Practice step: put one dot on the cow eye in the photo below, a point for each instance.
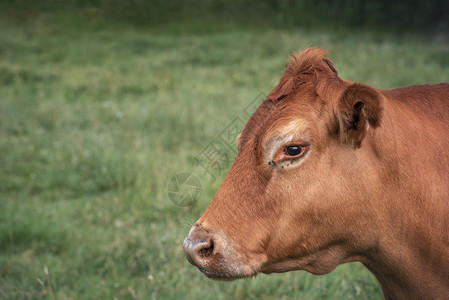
(293, 150)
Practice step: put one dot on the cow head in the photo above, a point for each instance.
(300, 194)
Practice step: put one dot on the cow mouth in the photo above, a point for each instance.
(215, 276)
(224, 276)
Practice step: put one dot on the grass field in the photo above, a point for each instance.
(96, 119)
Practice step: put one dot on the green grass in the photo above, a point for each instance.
(94, 122)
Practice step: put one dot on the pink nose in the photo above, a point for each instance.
(198, 246)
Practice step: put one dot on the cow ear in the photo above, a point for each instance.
(359, 109)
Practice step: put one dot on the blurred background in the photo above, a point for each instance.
(118, 122)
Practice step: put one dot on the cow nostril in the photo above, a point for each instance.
(207, 249)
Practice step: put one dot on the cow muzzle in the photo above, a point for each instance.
(215, 255)
(198, 246)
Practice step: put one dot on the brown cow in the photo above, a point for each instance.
(329, 172)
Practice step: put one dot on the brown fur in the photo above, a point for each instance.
(309, 69)
(372, 186)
